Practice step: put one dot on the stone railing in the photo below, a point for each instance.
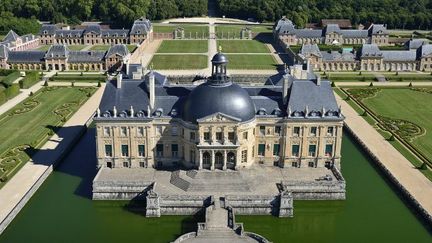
(257, 237)
(185, 237)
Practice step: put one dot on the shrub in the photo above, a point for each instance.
(360, 73)
(410, 84)
(365, 113)
(73, 84)
(371, 84)
(4, 178)
(31, 93)
(3, 98)
(99, 84)
(9, 79)
(12, 91)
(30, 79)
(45, 83)
(392, 138)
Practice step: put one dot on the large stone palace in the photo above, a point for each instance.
(331, 34)
(290, 122)
(93, 34)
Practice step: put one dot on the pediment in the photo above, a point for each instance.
(219, 117)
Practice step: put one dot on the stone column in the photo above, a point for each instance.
(212, 162)
(153, 206)
(224, 167)
(286, 204)
(200, 160)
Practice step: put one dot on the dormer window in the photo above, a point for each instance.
(140, 114)
(262, 112)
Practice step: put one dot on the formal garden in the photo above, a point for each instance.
(363, 76)
(183, 46)
(131, 48)
(164, 62)
(252, 61)
(401, 115)
(78, 77)
(29, 125)
(10, 87)
(242, 46)
(190, 30)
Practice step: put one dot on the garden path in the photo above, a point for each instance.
(15, 194)
(410, 178)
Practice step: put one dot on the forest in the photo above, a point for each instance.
(20, 15)
(402, 14)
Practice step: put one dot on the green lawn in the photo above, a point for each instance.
(406, 104)
(187, 28)
(179, 61)
(251, 62)
(235, 29)
(183, 46)
(29, 124)
(370, 77)
(242, 46)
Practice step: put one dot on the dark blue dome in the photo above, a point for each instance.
(207, 99)
(219, 58)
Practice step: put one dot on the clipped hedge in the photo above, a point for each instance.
(30, 79)
(6, 72)
(77, 78)
(8, 93)
(10, 78)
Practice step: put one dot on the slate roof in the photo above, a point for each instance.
(376, 28)
(11, 36)
(370, 50)
(410, 55)
(141, 26)
(114, 33)
(308, 49)
(284, 25)
(120, 50)
(415, 43)
(95, 28)
(4, 51)
(330, 28)
(425, 50)
(354, 33)
(56, 51)
(69, 33)
(86, 56)
(50, 29)
(337, 56)
(308, 33)
(26, 56)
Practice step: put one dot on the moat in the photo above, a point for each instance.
(62, 211)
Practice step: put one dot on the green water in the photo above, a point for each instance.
(61, 211)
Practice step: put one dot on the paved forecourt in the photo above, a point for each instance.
(410, 179)
(15, 194)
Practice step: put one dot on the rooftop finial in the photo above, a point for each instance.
(220, 48)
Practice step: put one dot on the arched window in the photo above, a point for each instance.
(206, 158)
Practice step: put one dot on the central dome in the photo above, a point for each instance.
(208, 99)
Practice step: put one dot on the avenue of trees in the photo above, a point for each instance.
(404, 14)
(120, 12)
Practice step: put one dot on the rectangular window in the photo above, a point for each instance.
(108, 150)
(107, 131)
(219, 136)
(142, 164)
(312, 150)
(192, 156)
(206, 136)
(125, 150)
(159, 150)
(313, 131)
(126, 164)
(261, 149)
(245, 135)
(295, 150)
(311, 164)
(123, 131)
(141, 150)
(330, 131)
(231, 136)
(262, 130)
(276, 148)
(174, 150)
(294, 164)
(329, 149)
(192, 136)
(244, 156)
(140, 131)
(296, 131)
(174, 131)
(277, 130)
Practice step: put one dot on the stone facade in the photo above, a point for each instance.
(141, 30)
(14, 42)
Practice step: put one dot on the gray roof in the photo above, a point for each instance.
(308, 49)
(308, 33)
(306, 95)
(409, 55)
(284, 26)
(120, 50)
(377, 29)
(4, 52)
(56, 51)
(86, 56)
(354, 33)
(141, 26)
(337, 56)
(115, 33)
(49, 29)
(415, 43)
(332, 28)
(425, 50)
(69, 33)
(11, 36)
(26, 56)
(370, 50)
(95, 28)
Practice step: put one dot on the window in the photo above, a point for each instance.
(108, 150)
(142, 164)
(311, 164)
(277, 130)
(276, 148)
(295, 150)
(206, 136)
(174, 150)
(140, 131)
(245, 135)
(231, 136)
(262, 130)
(294, 164)
(192, 156)
(330, 131)
(261, 149)
(329, 149)
(109, 164)
(125, 164)
(192, 136)
(141, 150)
(174, 131)
(313, 131)
(244, 156)
(125, 150)
(159, 150)
(296, 131)
(219, 136)
(107, 131)
(312, 150)
(123, 131)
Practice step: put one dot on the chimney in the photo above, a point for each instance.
(318, 79)
(285, 88)
(119, 80)
(127, 67)
(152, 89)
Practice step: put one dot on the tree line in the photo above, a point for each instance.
(121, 13)
(403, 14)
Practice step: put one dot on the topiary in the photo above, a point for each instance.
(31, 93)
(371, 84)
(410, 84)
(45, 83)
(72, 84)
(99, 84)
